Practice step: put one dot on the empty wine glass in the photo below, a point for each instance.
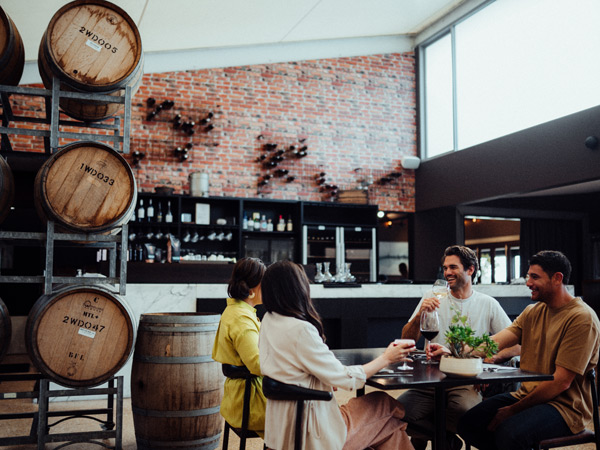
(319, 275)
(430, 327)
(326, 273)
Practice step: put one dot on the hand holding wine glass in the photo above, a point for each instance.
(429, 327)
(406, 343)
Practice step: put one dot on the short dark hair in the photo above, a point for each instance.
(286, 291)
(247, 274)
(467, 257)
(551, 262)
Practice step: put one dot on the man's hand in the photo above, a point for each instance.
(501, 415)
(429, 304)
(436, 351)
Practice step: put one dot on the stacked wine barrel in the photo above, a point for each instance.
(80, 336)
(91, 46)
(12, 54)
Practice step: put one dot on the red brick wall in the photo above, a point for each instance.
(354, 113)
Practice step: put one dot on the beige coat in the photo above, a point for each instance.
(291, 351)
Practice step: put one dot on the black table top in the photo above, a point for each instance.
(423, 375)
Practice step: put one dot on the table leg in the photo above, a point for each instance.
(439, 418)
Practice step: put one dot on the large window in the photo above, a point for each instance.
(509, 66)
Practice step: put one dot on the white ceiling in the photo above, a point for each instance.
(192, 34)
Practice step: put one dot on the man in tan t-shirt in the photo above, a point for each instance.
(559, 335)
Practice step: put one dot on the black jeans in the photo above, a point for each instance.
(521, 431)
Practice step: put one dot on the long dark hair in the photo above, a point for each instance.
(286, 291)
(247, 274)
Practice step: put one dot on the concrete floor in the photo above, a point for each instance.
(21, 427)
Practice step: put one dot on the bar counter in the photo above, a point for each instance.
(368, 316)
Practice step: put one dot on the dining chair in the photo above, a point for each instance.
(586, 436)
(240, 372)
(276, 390)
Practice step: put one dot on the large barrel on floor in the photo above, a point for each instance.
(80, 336)
(7, 189)
(5, 329)
(176, 387)
(86, 187)
(12, 54)
(91, 46)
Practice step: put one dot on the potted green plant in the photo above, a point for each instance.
(466, 348)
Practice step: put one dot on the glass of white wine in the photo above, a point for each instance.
(440, 289)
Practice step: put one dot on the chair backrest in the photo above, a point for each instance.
(596, 417)
(231, 371)
(276, 390)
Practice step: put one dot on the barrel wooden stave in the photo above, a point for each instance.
(5, 329)
(86, 187)
(176, 404)
(91, 46)
(12, 53)
(7, 189)
(80, 336)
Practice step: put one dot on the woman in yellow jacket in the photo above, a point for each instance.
(237, 343)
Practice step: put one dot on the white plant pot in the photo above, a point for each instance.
(461, 367)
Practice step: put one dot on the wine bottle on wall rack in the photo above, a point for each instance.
(141, 212)
(159, 216)
(150, 212)
(169, 215)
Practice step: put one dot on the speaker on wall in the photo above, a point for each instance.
(411, 162)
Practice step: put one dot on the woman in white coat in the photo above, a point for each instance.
(292, 350)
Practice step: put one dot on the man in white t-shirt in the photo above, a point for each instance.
(485, 316)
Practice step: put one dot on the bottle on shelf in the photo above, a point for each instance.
(256, 216)
(150, 212)
(169, 215)
(290, 225)
(141, 212)
(263, 223)
(159, 216)
(269, 225)
(245, 222)
(281, 224)
(250, 223)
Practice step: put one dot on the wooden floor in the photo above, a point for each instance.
(20, 427)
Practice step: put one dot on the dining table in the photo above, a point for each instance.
(430, 376)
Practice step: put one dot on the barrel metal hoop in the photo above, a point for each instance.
(179, 318)
(189, 413)
(198, 329)
(173, 359)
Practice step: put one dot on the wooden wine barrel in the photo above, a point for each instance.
(7, 189)
(5, 329)
(12, 53)
(86, 187)
(80, 335)
(176, 387)
(91, 46)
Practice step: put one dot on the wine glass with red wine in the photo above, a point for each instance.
(430, 327)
